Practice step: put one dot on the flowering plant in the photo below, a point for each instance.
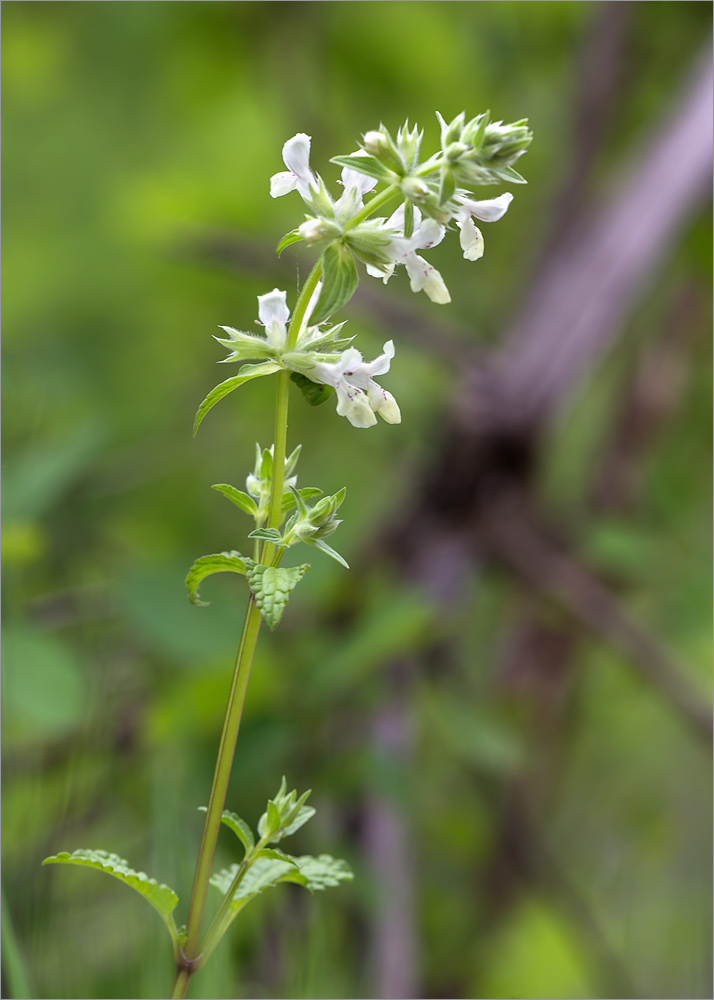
(306, 348)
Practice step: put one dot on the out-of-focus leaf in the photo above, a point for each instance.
(163, 899)
(218, 562)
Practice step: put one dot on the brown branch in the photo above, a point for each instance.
(560, 576)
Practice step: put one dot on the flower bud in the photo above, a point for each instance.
(455, 151)
(375, 142)
(414, 188)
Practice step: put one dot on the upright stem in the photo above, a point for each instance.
(241, 673)
(221, 776)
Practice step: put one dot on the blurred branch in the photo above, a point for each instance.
(576, 310)
(562, 577)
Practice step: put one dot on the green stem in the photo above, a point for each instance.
(181, 983)
(369, 209)
(224, 762)
(241, 674)
(281, 410)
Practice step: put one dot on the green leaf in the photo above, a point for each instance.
(314, 392)
(221, 390)
(339, 282)
(323, 871)
(320, 544)
(272, 586)
(266, 464)
(161, 897)
(292, 460)
(304, 813)
(299, 502)
(447, 184)
(293, 237)
(365, 165)
(268, 535)
(270, 822)
(262, 874)
(240, 499)
(509, 174)
(239, 827)
(307, 493)
(218, 562)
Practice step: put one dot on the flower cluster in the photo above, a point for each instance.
(435, 195)
(317, 355)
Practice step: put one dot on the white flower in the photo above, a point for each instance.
(274, 314)
(355, 179)
(296, 155)
(489, 210)
(359, 397)
(402, 250)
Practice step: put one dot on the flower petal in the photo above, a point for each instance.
(273, 308)
(282, 183)
(354, 404)
(354, 179)
(424, 277)
(471, 239)
(489, 210)
(296, 154)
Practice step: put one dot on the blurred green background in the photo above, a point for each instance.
(139, 139)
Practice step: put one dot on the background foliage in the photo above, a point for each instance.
(139, 139)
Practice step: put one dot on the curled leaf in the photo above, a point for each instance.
(218, 562)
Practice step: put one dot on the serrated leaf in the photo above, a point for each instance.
(314, 392)
(239, 827)
(272, 586)
(293, 237)
(339, 282)
(221, 390)
(240, 499)
(323, 871)
(262, 874)
(365, 165)
(218, 562)
(163, 899)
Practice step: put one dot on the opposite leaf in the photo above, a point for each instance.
(221, 390)
(272, 586)
(239, 827)
(218, 562)
(323, 871)
(262, 874)
(339, 282)
(314, 392)
(161, 897)
(292, 237)
(238, 497)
